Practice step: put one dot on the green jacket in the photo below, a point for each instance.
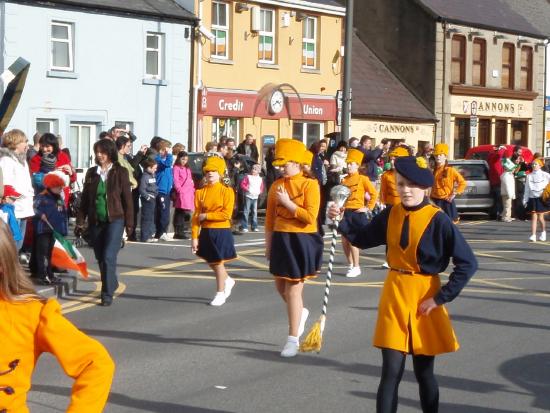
(124, 163)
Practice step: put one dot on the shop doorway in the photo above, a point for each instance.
(519, 133)
(484, 132)
(462, 137)
(227, 127)
(500, 132)
(307, 132)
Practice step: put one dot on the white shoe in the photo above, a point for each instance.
(244, 230)
(533, 238)
(303, 319)
(542, 236)
(290, 349)
(353, 272)
(23, 259)
(163, 237)
(218, 300)
(255, 230)
(385, 265)
(150, 240)
(229, 284)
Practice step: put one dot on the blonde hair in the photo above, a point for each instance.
(12, 138)
(15, 285)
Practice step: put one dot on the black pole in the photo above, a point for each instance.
(346, 95)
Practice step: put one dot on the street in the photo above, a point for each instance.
(175, 353)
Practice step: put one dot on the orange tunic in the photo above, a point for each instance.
(217, 201)
(447, 180)
(388, 189)
(33, 327)
(359, 186)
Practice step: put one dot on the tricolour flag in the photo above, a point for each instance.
(66, 256)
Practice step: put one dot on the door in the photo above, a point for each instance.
(484, 132)
(462, 137)
(519, 133)
(500, 132)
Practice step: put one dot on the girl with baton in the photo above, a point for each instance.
(421, 240)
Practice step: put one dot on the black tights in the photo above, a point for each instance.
(393, 364)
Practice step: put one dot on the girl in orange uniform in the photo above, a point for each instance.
(388, 188)
(421, 240)
(211, 237)
(448, 183)
(360, 202)
(32, 325)
(293, 245)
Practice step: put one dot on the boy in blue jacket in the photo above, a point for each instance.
(165, 181)
(8, 211)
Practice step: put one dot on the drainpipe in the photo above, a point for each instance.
(197, 86)
(444, 88)
(546, 58)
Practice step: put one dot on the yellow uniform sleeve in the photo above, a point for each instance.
(546, 194)
(384, 188)
(312, 199)
(459, 181)
(228, 202)
(81, 357)
(271, 208)
(369, 187)
(195, 223)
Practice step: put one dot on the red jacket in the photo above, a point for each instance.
(62, 159)
(495, 166)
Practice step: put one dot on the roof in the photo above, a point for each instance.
(326, 6)
(491, 14)
(167, 9)
(377, 92)
(536, 11)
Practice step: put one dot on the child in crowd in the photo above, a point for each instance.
(211, 234)
(184, 195)
(448, 183)
(8, 211)
(507, 188)
(535, 184)
(253, 187)
(148, 192)
(362, 200)
(50, 215)
(165, 181)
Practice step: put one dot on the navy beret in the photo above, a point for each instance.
(415, 170)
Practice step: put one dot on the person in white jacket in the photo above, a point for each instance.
(534, 186)
(15, 171)
(507, 188)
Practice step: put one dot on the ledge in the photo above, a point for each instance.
(268, 66)
(61, 74)
(492, 93)
(310, 70)
(221, 61)
(154, 82)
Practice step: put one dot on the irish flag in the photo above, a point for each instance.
(66, 256)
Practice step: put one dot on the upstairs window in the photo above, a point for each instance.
(458, 60)
(479, 62)
(266, 49)
(62, 46)
(309, 42)
(526, 78)
(220, 29)
(508, 56)
(154, 55)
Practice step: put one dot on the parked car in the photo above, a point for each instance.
(477, 195)
(483, 151)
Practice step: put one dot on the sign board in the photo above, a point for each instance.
(473, 129)
(268, 139)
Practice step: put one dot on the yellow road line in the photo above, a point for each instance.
(93, 299)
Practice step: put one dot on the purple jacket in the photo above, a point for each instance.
(184, 187)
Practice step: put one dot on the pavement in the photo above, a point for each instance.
(175, 353)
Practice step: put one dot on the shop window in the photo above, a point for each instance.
(225, 127)
(519, 133)
(484, 132)
(501, 127)
(508, 56)
(219, 47)
(307, 132)
(266, 49)
(479, 65)
(526, 78)
(154, 55)
(47, 126)
(309, 42)
(62, 46)
(462, 137)
(81, 144)
(458, 59)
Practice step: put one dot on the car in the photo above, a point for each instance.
(477, 196)
(482, 152)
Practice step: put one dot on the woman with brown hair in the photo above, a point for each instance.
(34, 326)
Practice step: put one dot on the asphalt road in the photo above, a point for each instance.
(174, 353)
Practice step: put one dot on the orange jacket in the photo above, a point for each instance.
(33, 327)
(388, 189)
(217, 201)
(359, 186)
(447, 180)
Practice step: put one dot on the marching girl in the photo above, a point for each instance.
(535, 184)
(293, 245)
(448, 183)
(362, 199)
(421, 240)
(211, 234)
(388, 188)
(33, 325)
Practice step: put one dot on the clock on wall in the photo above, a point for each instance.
(276, 102)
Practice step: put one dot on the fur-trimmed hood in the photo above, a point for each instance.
(21, 158)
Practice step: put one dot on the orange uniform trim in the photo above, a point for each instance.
(217, 201)
(305, 277)
(388, 189)
(359, 186)
(447, 180)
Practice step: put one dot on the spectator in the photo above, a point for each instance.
(426, 152)
(338, 163)
(353, 142)
(535, 185)
(248, 147)
(165, 181)
(252, 186)
(319, 168)
(211, 147)
(184, 194)
(231, 144)
(495, 171)
(148, 192)
(63, 148)
(33, 150)
(9, 196)
(371, 156)
(177, 148)
(124, 146)
(135, 162)
(272, 172)
(507, 188)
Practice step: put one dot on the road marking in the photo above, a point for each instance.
(508, 259)
(89, 300)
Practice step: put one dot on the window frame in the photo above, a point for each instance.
(460, 60)
(52, 122)
(160, 55)
(510, 65)
(69, 41)
(528, 69)
(304, 131)
(78, 161)
(313, 41)
(219, 28)
(263, 33)
(482, 63)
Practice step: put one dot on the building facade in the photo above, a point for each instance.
(96, 64)
(269, 68)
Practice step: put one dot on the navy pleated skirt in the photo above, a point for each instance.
(296, 256)
(357, 219)
(216, 245)
(536, 205)
(448, 207)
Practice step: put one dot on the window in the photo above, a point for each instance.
(508, 56)
(81, 144)
(220, 29)
(307, 133)
(46, 126)
(267, 36)
(526, 79)
(309, 42)
(154, 55)
(479, 59)
(62, 46)
(228, 127)
(458, 59)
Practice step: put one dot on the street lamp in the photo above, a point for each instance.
(346, 95)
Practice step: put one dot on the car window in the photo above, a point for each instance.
(472, 172)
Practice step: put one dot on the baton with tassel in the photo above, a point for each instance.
(314, 339)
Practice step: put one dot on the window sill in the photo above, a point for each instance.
(272, 66)
(310, 70)
(61, 74)
(155, 82)
(221, 61)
